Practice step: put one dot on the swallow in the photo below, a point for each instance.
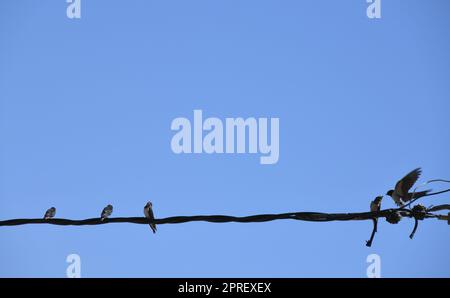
(148, 212)
(400, 194)
(50, 213)
(107, 211)
(375, 205)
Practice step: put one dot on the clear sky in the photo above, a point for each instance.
(86, 108)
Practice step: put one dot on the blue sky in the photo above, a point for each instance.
(86, 108)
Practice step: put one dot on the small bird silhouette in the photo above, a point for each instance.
(148, 212)
(107, 211)
(375, 205)
(400, 194)
(50, 213)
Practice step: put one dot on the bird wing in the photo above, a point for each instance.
(150, 213)
(372, 206)
(404, 185)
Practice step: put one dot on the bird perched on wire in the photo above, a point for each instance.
(375, 205)
(50, 213)
(148, 212)
(107, 211)
(400, 194)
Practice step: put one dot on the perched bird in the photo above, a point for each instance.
(148, 212)
(375, 205)
(107, 211)
(50, 213)
(400, 194)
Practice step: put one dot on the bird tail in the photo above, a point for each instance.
(421, 193)
(153, 227)
(418, 194)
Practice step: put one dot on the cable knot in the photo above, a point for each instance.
(393, 217)
(419, 212)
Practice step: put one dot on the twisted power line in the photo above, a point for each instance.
(304, 216)
(391, 215)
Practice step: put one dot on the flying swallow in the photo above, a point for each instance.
(50, 213)
(400, 194)
(375, 205)
(148, 212)
(107, 211)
